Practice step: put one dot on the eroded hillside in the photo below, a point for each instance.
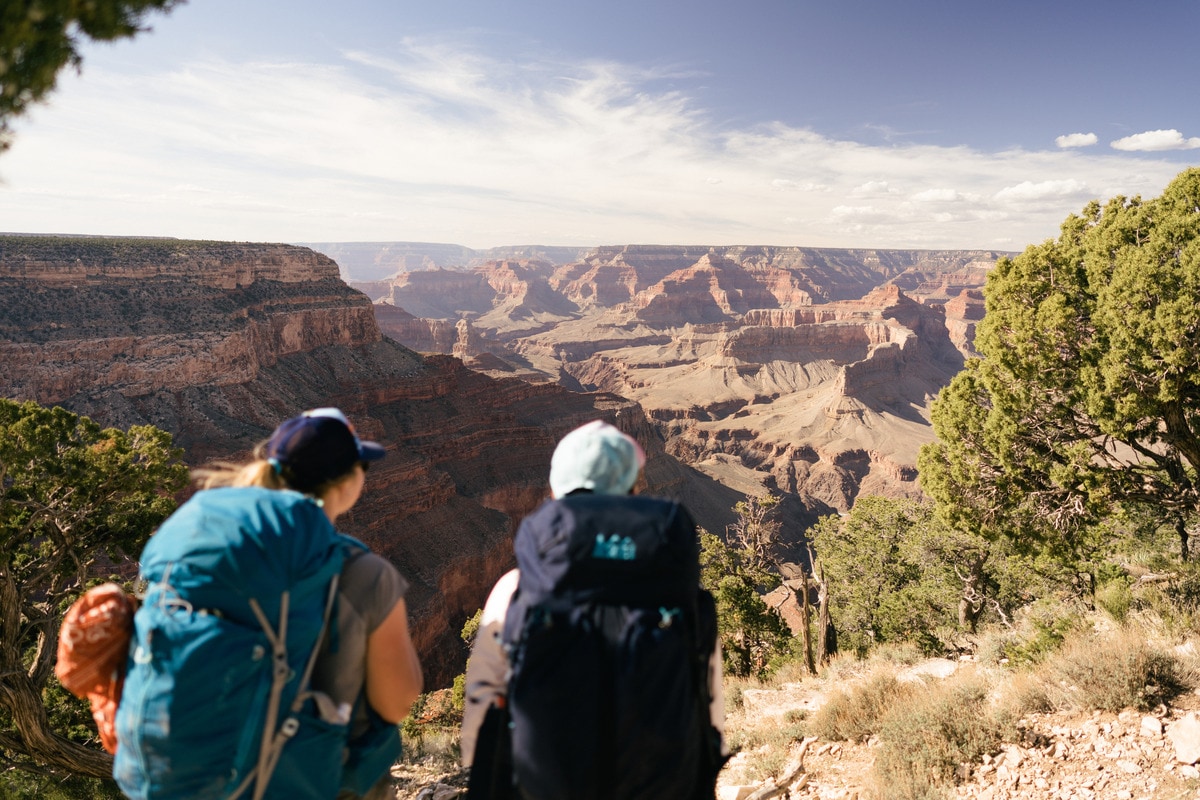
(809, 371)
(217, 343)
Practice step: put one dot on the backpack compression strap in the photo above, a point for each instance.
(273, 740)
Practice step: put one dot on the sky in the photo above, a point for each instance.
(857, 123)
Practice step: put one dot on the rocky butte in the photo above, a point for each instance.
(217, 342)
(806, 371)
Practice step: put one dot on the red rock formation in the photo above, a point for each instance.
(840, 350)
(217, 345)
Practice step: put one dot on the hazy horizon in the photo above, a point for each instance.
(864, 124)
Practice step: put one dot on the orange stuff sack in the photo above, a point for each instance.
(93, 646)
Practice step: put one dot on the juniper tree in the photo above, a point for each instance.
(71, 493)
(1087, 394)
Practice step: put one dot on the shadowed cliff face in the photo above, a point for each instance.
(806, 370)
(217, 343)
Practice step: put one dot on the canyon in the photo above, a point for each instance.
(740, 370)
(801, 371)
(219, 342)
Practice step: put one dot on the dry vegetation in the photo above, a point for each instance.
(896, 727)
(890, 734)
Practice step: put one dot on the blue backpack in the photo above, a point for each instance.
(609, 638)
(242, 584)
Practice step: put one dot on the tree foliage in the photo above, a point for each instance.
(1088, 392)
(897, 573)
(71, 493)
(40, 37)
(754, 533)
(876, 592)
(751, 632)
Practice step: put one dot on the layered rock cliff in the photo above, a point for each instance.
(218, 342)
(378, 261)
(805, 370)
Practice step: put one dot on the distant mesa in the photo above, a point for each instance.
(380, 261)
(218, 342)
(805, 371)
(764, 365)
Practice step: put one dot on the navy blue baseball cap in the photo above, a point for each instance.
(317, 447)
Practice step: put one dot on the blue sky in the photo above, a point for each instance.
(858, 123)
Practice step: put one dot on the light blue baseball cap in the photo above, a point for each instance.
(596, 457)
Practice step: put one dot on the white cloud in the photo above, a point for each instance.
(440, 144)
(1153, 141)
(790, 185)
(936, 196)
(875, 187)
(1077, 140)
(1029, 191)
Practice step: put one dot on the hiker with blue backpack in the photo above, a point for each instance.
(596, 672)
(271, 655)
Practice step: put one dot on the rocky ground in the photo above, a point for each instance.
(1062, 756)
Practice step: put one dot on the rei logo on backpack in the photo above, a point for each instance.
(216, 702)
(609, 638)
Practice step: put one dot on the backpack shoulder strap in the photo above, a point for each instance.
(712, 760)
(274, 738)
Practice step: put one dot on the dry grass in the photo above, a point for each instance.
(925, 732)
(1122, 670)
(938, 726)
(854, 714)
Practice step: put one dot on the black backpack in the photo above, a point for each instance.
(609, 637)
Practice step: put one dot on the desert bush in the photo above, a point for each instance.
(437, 746)
(854, 714)
(904, 654)
(1160, 609)
(766, 745)
(939, 726)
(1038, 630)
(766, 763)
(1025, 692)
(735, 687)
(1116, 598)
(1122, 671)
(430, 731)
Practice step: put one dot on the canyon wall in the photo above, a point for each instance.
(800, 370)
(218, 342)
(380, 261)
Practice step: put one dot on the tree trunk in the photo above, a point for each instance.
(826, 634)
(826, 637)
(34, 737)
(1182, 532)
(970, 603)
(804, 611)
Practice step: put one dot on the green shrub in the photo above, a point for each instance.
(1178, 600)
(1039, 630)
(1116, 598)
(458, 695)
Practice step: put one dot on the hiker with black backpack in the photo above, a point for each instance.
(271, 655)
(595, 673)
